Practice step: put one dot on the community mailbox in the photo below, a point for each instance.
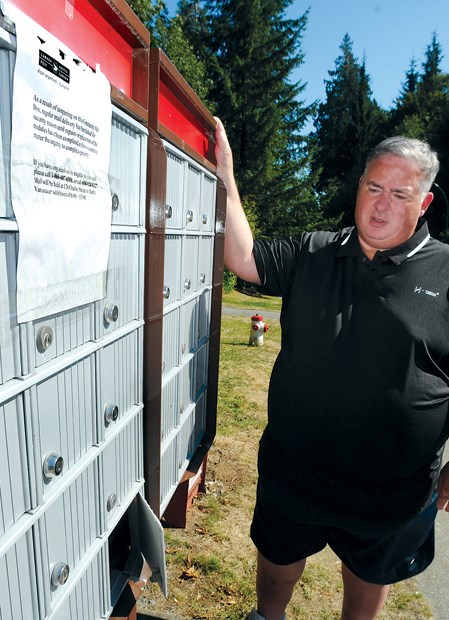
(107, 381)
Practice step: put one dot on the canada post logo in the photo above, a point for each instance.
(54, 67)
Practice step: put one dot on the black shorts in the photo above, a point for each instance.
(397, 553)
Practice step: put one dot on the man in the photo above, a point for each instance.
(358, 398)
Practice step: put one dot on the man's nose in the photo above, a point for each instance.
(382, 202)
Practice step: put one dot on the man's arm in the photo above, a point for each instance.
(238, 250)
(443, 489)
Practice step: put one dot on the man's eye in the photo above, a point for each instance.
(400, 196)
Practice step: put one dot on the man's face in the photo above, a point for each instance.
(389, 203)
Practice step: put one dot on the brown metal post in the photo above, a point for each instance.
(154, 307)
(215, 321)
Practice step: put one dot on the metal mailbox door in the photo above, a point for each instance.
(119, 371)
(189, 327)
(127, 169)
(208, 203)
(64, 411)
(204, 310)
(202, 361)
(121, 468)
(192, 198)
(172, 266)
(55, 336)
(169, 471)
(186, 440)
(171, 341)
(187, 386)
(205, 260)
(123, 302)
(170, 406)
(7, 62)
(189, 265)
(67, 531)
(15, 495)
(87, 599)
(19, 573)
(174, 202)
(200, 416)
(10, 358)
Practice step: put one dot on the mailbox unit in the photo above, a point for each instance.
(186, 217)
(107, 404)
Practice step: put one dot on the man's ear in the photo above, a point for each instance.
(426, 202)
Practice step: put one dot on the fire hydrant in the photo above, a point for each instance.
(258, 329)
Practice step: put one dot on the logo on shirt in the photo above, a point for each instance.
(419, 290)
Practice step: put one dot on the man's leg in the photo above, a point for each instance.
(275, 584)
(361, 600)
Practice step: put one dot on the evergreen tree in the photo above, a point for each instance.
(432, 65)
(423, 99)
(423, 112)
(348, 124)
(154, 15)
(410, 85)
(168, 34)
(251, 49)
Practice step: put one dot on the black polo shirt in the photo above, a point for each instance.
(360, 389)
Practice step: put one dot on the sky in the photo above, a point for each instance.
(387, 33)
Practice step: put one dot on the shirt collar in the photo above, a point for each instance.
(350, 246)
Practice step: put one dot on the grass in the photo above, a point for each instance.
(211, 563)
(257, 303)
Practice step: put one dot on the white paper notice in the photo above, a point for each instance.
(61, 130)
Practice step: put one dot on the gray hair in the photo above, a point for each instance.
(409, 148)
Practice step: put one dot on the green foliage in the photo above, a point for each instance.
(422, 111)
(154, 14)
(229, 281)
(348, 124)
(168, 34)
(239, 55)
(251, 49)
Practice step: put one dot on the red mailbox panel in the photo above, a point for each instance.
(177, 113)
(100, 32)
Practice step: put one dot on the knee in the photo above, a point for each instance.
(271, 575)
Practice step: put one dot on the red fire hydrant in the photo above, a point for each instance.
(258, 329)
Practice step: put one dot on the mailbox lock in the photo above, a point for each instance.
(204, 220)
(110, 313)
(111, 413)
(111, 502)
(115, 202)
(189, 216)
(60, 574)
(166, 292)
(187, 283)
(53, 465)
(44, 338)
(202, 278)
(168, 212)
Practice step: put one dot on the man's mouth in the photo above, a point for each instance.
(377, 221)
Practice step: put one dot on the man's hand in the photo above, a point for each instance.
(443, 489)
(238, 247)
(223, 155)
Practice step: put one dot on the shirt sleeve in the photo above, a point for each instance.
(277, 261)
